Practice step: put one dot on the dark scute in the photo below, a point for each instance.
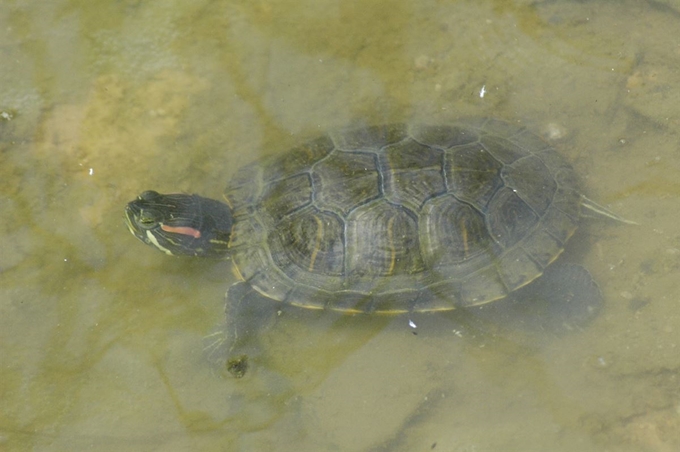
(346, 179)
(372, 137)
(443, 137)
(287, 195)
(510, 219)
(311, 241)
(472, 174)
(413, 188)
(453, 232)
(532, 182)
(412, 173)
(382, 239)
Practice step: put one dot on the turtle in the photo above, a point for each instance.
(382, 219)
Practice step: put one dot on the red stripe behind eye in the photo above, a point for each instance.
(195, 233)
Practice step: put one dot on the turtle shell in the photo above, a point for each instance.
(401, 218)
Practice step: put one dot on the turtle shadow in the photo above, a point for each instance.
(565, 300)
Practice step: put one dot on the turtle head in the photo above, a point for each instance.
(180, 224)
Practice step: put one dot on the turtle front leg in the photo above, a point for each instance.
(247, 315)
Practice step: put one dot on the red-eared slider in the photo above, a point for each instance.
(384, 219)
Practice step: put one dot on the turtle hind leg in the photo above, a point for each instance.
(247, 315)
(565, 298)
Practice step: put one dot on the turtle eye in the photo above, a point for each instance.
(146, 219)
(149, 195)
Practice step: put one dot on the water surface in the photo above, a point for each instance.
(102, 339)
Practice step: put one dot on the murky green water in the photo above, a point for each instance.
(102, 339)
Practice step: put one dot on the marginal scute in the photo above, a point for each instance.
(542, 246)
(502, 149)
(245, 187)
(530, 142)
(497, 127)
(443, 136)
(568, 201)
(516, 268)
(371, 137)
(481, 287)
(298, 159)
